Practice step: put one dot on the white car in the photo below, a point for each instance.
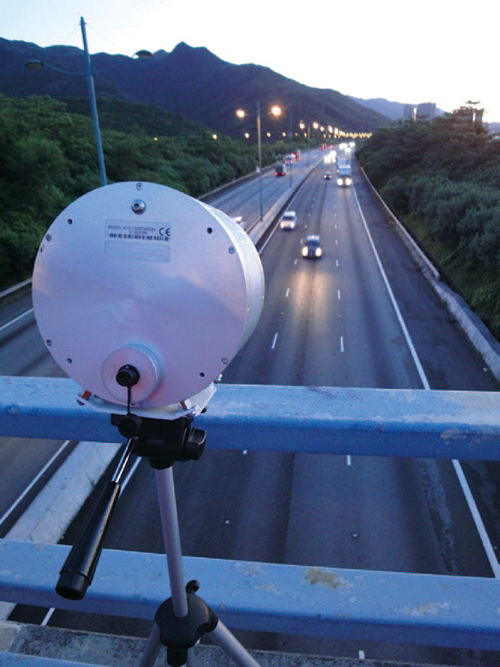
(288, 220)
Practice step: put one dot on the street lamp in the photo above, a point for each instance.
(276, 111)
(38, 64)
(303, 127)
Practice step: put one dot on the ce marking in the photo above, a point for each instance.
(165, 232)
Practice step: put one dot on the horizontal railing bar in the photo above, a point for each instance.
(382, 422)
(338, 603)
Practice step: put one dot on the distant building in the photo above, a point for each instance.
(409, 112)
(426, 111)
(469, 113)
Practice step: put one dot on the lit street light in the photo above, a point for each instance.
(276, 111)
(38, 64)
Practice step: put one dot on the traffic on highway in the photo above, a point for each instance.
(345, 306)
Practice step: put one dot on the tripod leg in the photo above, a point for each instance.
(227, 641)
(152, 648)
(170, 526)
(171, 536)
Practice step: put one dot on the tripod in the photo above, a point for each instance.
(184, 618)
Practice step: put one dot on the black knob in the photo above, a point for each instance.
(127, 376)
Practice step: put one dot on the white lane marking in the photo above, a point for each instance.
(295, 261)
(392, 298)
(16, 319)
(34, 481)
(287, 293)
(338, 294)
(336, 262)
(47, 616)
(476, 516)
(336, 241)
(342, 344)
(349, 460)
(275, 339)
(488, 547)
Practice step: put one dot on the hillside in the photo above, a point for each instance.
(189, 81)
(393, 110)
(136, 117)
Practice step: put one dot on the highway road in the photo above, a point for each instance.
(331, 322)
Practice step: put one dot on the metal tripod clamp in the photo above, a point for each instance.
(179, 634)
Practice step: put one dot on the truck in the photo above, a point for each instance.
(344, 175)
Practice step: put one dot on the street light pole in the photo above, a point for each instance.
(259, 144)
(38, 64)
(276, 111)
(93, 104)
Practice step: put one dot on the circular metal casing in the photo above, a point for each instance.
(141, 274)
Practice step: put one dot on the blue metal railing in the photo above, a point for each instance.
(339, 603)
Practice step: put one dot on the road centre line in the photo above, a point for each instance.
(469, 498)
(338, 294)
(287, 293)
(275, 339)
(16, 319)
(342, 344)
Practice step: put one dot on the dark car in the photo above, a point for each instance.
(312, 248)
(328, 176)
(280, 170)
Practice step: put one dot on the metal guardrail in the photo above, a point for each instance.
(410, 608)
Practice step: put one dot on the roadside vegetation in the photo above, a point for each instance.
(442, 180)
(48, 158)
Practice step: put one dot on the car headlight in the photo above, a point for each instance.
(317, 252)
(339, 181)
(348, 181)
(304, 251)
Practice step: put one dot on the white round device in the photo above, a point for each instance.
(141, 275)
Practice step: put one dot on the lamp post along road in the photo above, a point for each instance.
(38, 64)
(93, 104)
(276, 111)
(259, 144)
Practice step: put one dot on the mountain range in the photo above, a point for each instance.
(189, 81)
